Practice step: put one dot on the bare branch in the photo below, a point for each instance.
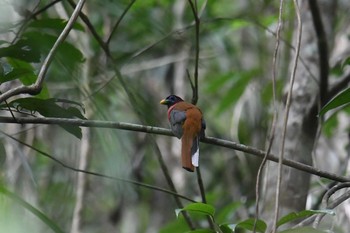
(167, 132)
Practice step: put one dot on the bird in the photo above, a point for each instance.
(187, 123)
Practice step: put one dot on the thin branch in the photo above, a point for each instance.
(38, 12)
(274, 119)
(95, 173)
(338, 86)
(202, 192)
(168, 132)
(171, 183)
(37, 86)
(322, 50)
(317, 218)
(119, 20)
(85, 148)
(197, 24)
(286, 115)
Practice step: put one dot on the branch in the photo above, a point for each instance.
(197, 24)
(118, 22)
(171, 183)
(322, 50)
(339, 86)
(98, 174)
(37, 86)
(167, 132)
(286, 115)
(35, 14)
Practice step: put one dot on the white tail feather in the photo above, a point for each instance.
(195, 158)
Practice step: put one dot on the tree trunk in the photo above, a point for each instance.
(303, 122)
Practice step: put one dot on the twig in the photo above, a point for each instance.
(38, 12)
(171, 183)
(334, 203)
(168, 132)
(338, 86)
(95, 173)
(37, 86)
(274, 119)
(322, 50)
(118, 22)
(202, 192)
(81, 181)
(286, 115)
(197, 24)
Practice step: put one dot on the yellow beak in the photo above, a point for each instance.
(163, 101)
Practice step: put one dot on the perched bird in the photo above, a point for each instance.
(187, 123)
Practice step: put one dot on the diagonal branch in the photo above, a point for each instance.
(96, 173)
(38, 85)
(118, 21)
(167, 132)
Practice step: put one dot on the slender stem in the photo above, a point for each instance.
(286, 115)
(96, 173)
(197, 25)
(118, 21)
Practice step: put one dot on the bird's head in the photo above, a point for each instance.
(171, 100)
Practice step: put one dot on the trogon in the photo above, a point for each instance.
(186, 121)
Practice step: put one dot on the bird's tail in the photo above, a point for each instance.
(189, 152)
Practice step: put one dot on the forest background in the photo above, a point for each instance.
(85, 144)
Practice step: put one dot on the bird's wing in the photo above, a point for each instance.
(176, 118)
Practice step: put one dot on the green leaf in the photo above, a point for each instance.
(50, 108)
(217, 83)
(239, 23)
(339, 100)
(227, 212)
(179, 225)
(200, 208)
(249, 225)
(66, 52)
(303, 230)
(302, 214)
(40, 215)
(23, 49)
(330, 125)
(227, 228)
(345, 63)
(238, 86)
(26, 75)
(56, 24)
(16, 73)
